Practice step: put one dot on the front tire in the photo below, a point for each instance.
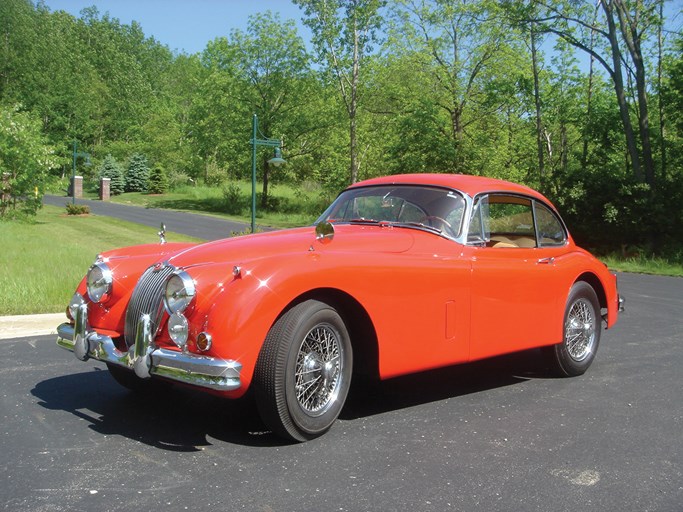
(303, 372)
(129, 380)
(581, 328)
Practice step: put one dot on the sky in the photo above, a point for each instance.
(186, 25)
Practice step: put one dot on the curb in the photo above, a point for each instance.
(20, 326)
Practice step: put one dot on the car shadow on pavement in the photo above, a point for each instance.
(179, 419)
(369, 397)
(165, 416)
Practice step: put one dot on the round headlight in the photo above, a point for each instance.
(178, 329)
(179, 292)
(99, 281)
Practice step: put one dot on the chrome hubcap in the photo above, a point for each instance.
(579, 331)
(318, 370)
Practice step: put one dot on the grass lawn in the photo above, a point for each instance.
(293, 207)
(42, 262)
(644, 265)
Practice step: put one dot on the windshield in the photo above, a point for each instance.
(431, 208)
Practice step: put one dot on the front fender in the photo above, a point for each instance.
(244, 311)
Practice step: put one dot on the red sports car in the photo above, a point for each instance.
(400, 274)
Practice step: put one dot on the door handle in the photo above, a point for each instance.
(546, 261)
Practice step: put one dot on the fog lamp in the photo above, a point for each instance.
(178, 329)
(76, 301)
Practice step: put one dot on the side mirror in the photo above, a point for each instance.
(324, 232)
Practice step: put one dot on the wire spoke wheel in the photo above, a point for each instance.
(304, 371)
(581, 333)
(580, 330)
(318, 369)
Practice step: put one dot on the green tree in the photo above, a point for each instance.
(158, 181)
(623, 28)
(25, 159)
(343, 34)
(137, 174)
(273, 68)
(266, 71)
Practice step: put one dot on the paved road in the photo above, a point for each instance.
(200, 226)
(493, 436)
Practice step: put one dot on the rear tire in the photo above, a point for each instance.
(581, 332)
(303, 372)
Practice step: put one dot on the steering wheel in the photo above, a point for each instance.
(440, 223)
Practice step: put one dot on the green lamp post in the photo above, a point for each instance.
(277, 161)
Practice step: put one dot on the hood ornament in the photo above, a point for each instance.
(162, 234)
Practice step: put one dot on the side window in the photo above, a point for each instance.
(511, 216)
(550, 229)
(478, 231)
(503, 221)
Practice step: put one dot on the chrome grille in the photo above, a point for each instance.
(147, 299)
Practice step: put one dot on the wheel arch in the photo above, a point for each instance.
(358, 322)
(595, 283)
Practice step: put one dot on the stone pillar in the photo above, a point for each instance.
(77, 187)
(105, 187)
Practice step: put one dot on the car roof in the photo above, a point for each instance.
(470, 185)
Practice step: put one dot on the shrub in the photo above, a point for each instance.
(215, 176)
(157, 182)
(178, 179)
(233, 202)
(77, 209)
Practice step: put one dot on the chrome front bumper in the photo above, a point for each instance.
(145, 359)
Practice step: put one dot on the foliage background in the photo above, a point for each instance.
(526, 91)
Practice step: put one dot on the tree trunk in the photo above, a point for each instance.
(662, 116)
(631, 35)
(537, 104)
(353, 106)
(589, 99)
(618, 80)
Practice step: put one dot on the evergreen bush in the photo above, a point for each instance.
(111, 169)
(157, 183)
(137, 174)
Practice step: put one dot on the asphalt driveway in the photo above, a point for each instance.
(499, 435)
(191, 224)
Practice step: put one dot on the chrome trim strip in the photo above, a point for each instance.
(196, 370)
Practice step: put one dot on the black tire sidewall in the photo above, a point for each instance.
(566, 363)
(317, 313)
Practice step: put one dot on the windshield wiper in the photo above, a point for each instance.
(362, 220)
(420, 225)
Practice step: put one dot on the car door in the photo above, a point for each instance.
(517, 293)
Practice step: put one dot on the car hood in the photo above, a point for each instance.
(348, 238)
